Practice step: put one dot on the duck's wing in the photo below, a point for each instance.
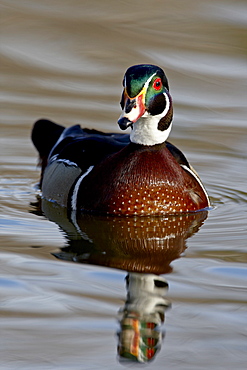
(83, 147)
(87, 149)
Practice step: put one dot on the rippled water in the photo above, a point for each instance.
(60, 299)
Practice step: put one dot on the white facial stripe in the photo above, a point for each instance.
(148, 81)
(124, 83)
(167, 107)
(76, 188)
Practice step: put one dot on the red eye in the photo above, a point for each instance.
(157, 84)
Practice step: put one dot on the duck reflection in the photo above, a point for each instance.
(140, 336)
(142, 246)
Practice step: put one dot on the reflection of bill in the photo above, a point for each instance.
(142, 246)
(140, 336)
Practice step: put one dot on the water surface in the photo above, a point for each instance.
(65, 61)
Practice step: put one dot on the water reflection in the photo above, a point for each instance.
(140, 336)
(142, 246)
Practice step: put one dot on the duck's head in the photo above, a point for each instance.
(146, 104)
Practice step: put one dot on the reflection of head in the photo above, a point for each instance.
(140, 336)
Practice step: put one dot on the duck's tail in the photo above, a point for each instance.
(44, 136)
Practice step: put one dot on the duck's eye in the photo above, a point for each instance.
(157, 84)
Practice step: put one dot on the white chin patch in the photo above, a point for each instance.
(145, 131)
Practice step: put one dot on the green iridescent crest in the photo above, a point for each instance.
(136, 77)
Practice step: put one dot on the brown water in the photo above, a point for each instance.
(65, 60)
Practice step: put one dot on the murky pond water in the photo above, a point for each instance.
(64, 302)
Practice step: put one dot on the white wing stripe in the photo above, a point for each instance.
(76, 188)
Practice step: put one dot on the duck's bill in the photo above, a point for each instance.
(133, 109)
(124, 123)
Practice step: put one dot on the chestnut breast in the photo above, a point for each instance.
(140, 180)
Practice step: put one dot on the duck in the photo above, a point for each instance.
(140, 173)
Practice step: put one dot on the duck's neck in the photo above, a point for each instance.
(145, 131)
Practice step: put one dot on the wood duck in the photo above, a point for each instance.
(114, 173)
